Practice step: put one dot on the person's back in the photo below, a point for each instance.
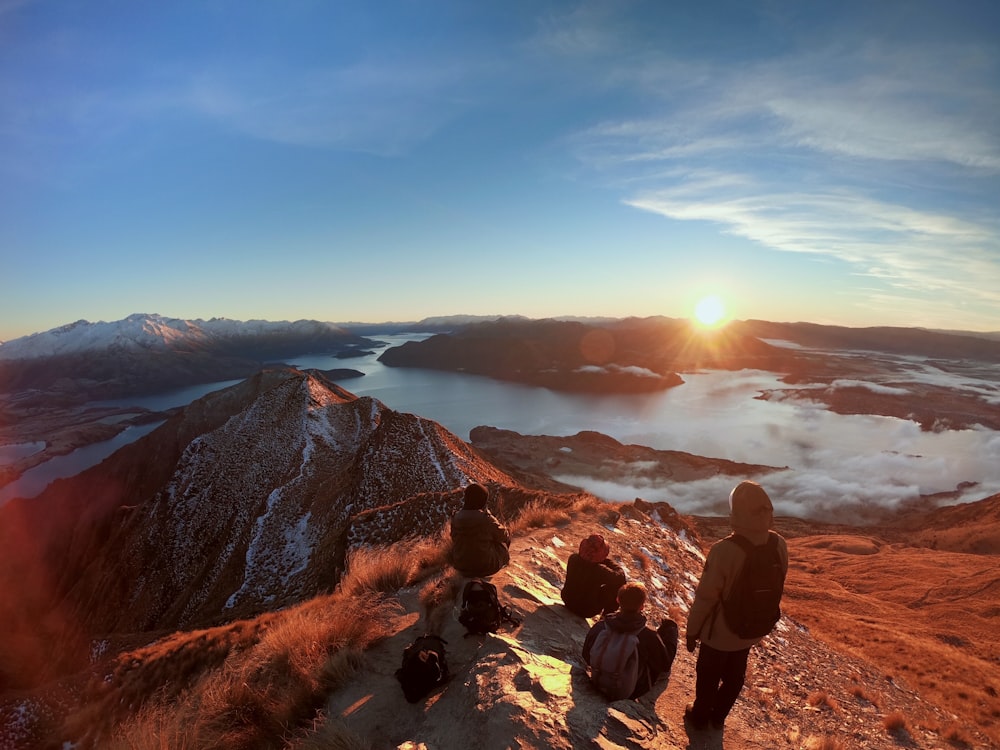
(479, 542)
(722, 656)
(656, 648)
(592, 580)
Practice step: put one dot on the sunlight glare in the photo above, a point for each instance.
(710, 311)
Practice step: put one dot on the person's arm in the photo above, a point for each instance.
(588, 642)
(706, 596)
(611, 573)
(499, 530)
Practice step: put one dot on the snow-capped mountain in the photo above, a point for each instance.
(150, 353)
(151, 332)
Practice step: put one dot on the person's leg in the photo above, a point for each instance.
(733, 675)
(708, 671)
(668, 632)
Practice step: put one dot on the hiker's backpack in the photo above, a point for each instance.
(481, 610)
(753, 606)
(419, 675)
(614, 662)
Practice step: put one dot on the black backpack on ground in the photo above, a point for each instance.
(753, 606)
(481, 610)
(424, 667)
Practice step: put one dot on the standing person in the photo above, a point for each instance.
(725, 641)
(592, 580)
(656, 648)
(480, 544)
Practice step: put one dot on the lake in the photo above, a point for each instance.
(836, 463)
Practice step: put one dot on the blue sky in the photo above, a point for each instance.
(832, 162)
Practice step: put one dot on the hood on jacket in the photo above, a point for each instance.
(750, 510)
(626, 622)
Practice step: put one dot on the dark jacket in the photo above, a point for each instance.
(591, 587)
(653, 657)
(479, 543)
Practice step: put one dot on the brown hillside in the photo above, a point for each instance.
(522, 687)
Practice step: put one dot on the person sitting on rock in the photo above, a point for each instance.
(592, 580)
(656, 649)
(480, 544)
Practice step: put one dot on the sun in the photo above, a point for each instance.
(710, 311)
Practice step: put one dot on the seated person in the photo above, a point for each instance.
(592, 580)
(480, 544)
(657, 648)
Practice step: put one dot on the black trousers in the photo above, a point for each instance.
(719, 680)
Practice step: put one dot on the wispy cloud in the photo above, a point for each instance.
(375, 108)
(839, 153)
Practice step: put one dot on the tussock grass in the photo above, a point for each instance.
(388, 569)
(821, 698)
(329, 735)
(824, 743)
(895, 722)
(863, 695)
(550, 511)
(538, 514)
(956, 736)
(266, 687)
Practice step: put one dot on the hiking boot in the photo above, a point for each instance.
(689, 719)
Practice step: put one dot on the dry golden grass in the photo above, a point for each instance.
(895, 721)
(388, 569)
(553, 511)
(266, 691)
(250, 684)
(924, 617)
(864, 696)
(329, 735)
(824, 743)
(538, 514)
(956, 736)
(821, 699)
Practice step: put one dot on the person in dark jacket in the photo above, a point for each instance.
(480, 544)
(657, 648)
(592, 580)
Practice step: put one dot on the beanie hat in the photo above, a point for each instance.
(594, 549)
(750, 507)
(476, 496)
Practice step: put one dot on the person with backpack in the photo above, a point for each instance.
(592, 580)
(736, 603)
(626, 656)
(480, 544)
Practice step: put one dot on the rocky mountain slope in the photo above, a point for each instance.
(526, 686)
(243, 502)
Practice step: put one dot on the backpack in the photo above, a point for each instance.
(419, 676)
(753, 606)
(614, 662)
(481, 610)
